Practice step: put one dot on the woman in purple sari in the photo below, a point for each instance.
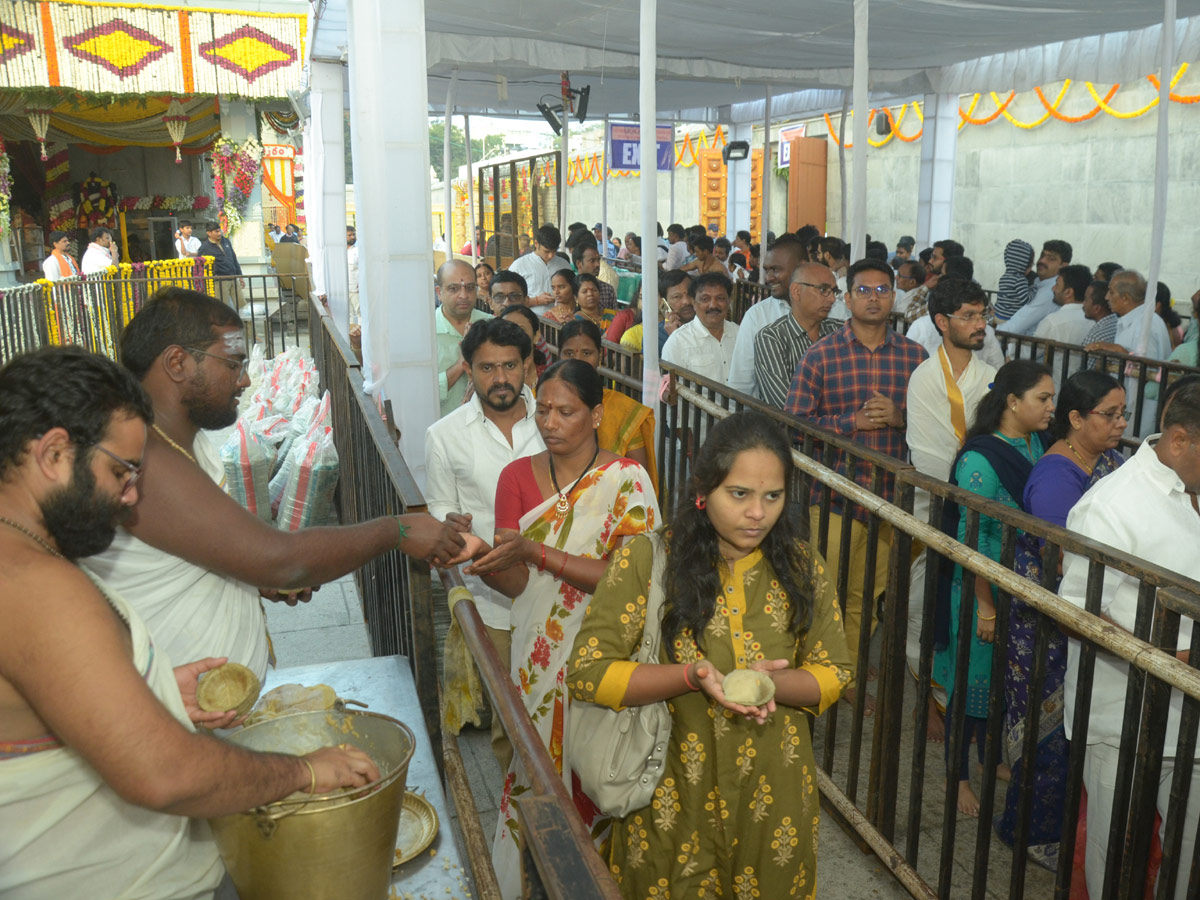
(1088, 423)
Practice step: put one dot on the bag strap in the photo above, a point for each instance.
(652, 631)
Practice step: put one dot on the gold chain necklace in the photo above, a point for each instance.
(17, 526)
(166, 437)
(1083, 463)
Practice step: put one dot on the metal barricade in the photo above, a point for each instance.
(745, 295)
(863, 762)
(1143, 379)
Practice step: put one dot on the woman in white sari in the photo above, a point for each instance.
(559, 515)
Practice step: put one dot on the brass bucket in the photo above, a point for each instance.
(337, 846)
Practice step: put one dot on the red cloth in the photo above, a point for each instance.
(517, 492)
(621, 323)
(1079, 889)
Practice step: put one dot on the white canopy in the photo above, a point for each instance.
(509, 52)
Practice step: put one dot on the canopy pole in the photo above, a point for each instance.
(566, 160)
(765, 218)
(858, 232)
(842, 160)
(447, 178)
(647, 110)
(471, 192)
(605, 247)
(1159, 222)
(674, 126)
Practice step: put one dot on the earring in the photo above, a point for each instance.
(701, 503)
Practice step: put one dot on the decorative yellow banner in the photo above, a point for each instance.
(129, 48)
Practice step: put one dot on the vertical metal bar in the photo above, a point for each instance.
(1181, 780)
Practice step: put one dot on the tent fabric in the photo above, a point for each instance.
(509, 52)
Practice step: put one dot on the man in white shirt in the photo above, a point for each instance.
(1055, 255)
(943, 394)
(539, 266)
(1146, 508)
(780, 264)
(465, 453)
(677, 251)
(1126, 294)
(925, 333)
(705, 344)
(835, 253)
(1068, 324)
(59, 264)
(98, 255)
(185, 245)
(352, 272)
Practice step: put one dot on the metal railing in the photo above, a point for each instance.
(862, 761)
(92, 311)
(1143, 379)
(560, 860)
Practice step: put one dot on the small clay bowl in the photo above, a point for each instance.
(748, 687)
(231, 686)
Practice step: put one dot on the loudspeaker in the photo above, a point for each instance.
(883, 125)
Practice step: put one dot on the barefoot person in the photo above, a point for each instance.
(735, 567)
(996, 458)
(100, 764)
(192, 560)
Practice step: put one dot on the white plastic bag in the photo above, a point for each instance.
(247, 459)
(312, 477)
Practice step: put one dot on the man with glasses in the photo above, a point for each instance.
(854, 382)
(782, 258)
(455, 289)
(780, 346)
(100, 762)
(191, 560)
(943, 394)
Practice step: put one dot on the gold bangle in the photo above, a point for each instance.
(990, 618)
(312, 787)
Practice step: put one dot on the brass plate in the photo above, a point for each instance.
(418, 827)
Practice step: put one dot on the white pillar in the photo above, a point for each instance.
(471, 191)
(674, 126)
(858, 218)
(605, 247)
(766, 171)
(325, 179)
(939, 142)
(447, 175)
(647, 108)
(737, 183)
(842, 179)
(391, 172)
(1159, 222)
(566, 171)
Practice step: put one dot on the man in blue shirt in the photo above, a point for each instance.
(1055, 255)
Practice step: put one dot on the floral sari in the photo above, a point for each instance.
(610, 502)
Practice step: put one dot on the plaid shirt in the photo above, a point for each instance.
(836, 377)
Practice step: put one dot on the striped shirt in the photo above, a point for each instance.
(1104, 331)
(778, 349)
(836, 377)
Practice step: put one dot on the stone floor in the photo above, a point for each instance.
(330, 628)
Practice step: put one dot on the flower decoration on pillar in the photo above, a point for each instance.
(40, 120)
(176, 121)
(5, 191)
(236, 169)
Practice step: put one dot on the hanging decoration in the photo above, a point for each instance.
(236, 171)
(591, 168)
(176, 121)
(186, 203)
(97, 203)
(5, 191)
(40, 120)
(60, 202)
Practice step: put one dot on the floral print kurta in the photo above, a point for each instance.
(735, 814)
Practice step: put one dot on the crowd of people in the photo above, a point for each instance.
(542, 483)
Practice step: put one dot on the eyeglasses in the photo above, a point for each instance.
(515, 297)
(971, 319)
(1111, 415)
(135, 472)
(232, 364)
(826, 290)
(865, 290)
(459, 287)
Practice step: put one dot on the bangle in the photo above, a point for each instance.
(542, 564)
(563, 567)
(688, 681)
(312, 786)
(403, 532)
(990, 618)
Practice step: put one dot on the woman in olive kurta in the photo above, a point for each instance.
(735, 814)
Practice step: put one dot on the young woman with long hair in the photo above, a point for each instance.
(996, 458)
(735, 813)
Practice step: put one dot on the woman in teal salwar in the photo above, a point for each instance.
(997, 456)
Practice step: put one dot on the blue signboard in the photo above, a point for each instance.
(625, 149)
